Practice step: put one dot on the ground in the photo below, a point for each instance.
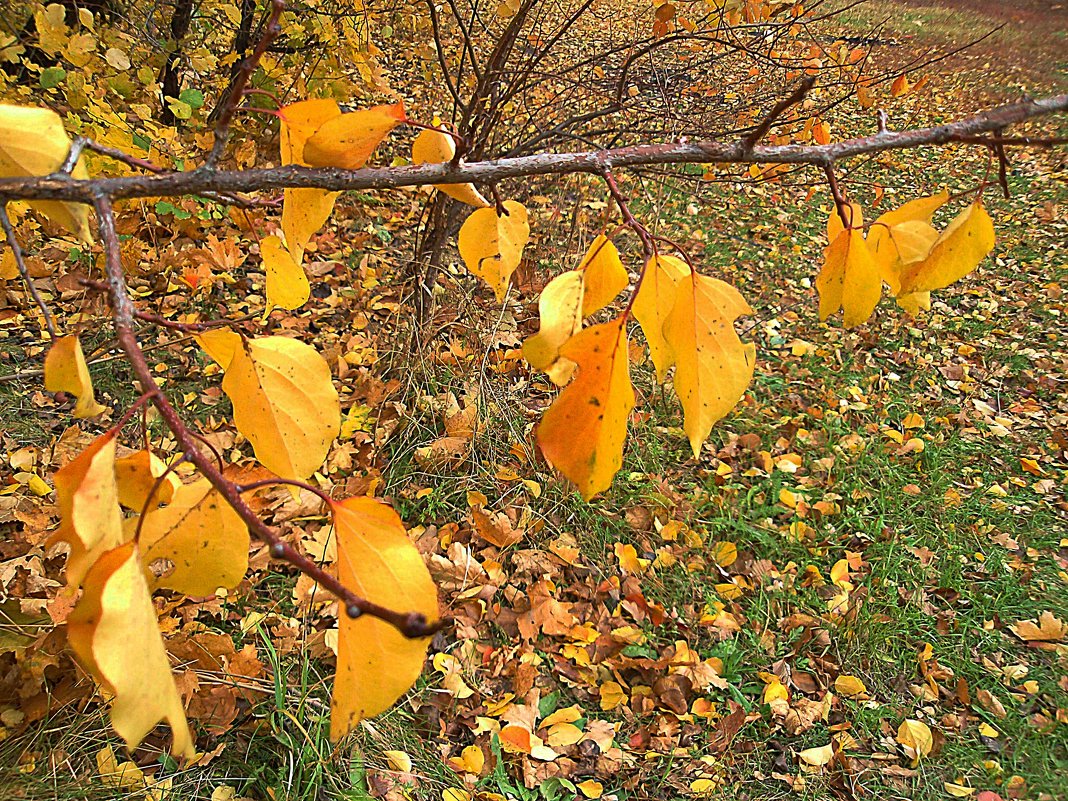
(863, 543)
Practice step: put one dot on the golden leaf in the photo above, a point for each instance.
(33, 142)
(304, 210)
(817, 757)
(916, 739)
(90, 517)
(437, 147)
(114, 634)
(284, 400)
(376, 664)
(604, 275)
(654, 302)
(850, 687)
(1047, 629)
(560, 307)
(201, 535)
(347, 141)
(220, 344)
(287, 284)
(849, 279)
(904, 236)
(713, 366)
(961, 246)
(492, 245)
(136, 475)
(65, 370)
(582, 433)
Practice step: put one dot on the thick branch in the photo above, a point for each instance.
(204, 180)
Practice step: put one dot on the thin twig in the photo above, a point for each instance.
(792, 99)
(20, 263)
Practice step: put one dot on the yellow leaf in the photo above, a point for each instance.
(604, 275)
(65, 370)
(1048, 628)
(916, 739)
(376, 664)
(900, 86)
(582, 433)
(492, 245)
(591, 788)
(850, 687)
(398, 760)
(725, 554)
(560, 306)
(627, 556)
(201, 535)
(611, 694)
(220, 344)
(653, 303)
(834, 222)
(135, 477)
(904, 236)
(114, 634)
(959, 249)
(9, 268)
(33, 142)
(958, 790)
(305, 210)
(284, 403)
(913, 302)
(437, 147)
(818, 757)
(90, 517)
(713, 366)
(347, 141)
(775, 691)
(287, 284)
(471, 760)
(849, 279)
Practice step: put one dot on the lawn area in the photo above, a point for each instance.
(870, 554)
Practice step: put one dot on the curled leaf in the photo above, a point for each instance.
(964, 243)
(136, 476)
(437, 147)
(65, 370)
(90, 517)
(560, 306)
(114, 634)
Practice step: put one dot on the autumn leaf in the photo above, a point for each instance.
(849, 279)
(582, 433)
(653, 303)
(220, 344)
(287, 284)
(304, 210)
(376, 664)
(437, 147)
(347, 141)
(713, 366)
(283, 397)
(916, 739)
(115, 636)
(904, 236)
(964, 243)
(136, 476)
(87, 496)
(604, 275)
(560, 306)
(850, 687)
(33, 142)
(817, 757)
(1047, 629)
(65, 370)
(492, 245)
(201, 536)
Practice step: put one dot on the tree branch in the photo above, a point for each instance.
(200, 181)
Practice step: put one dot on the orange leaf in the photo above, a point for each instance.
(582, 434)
(347, 141)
